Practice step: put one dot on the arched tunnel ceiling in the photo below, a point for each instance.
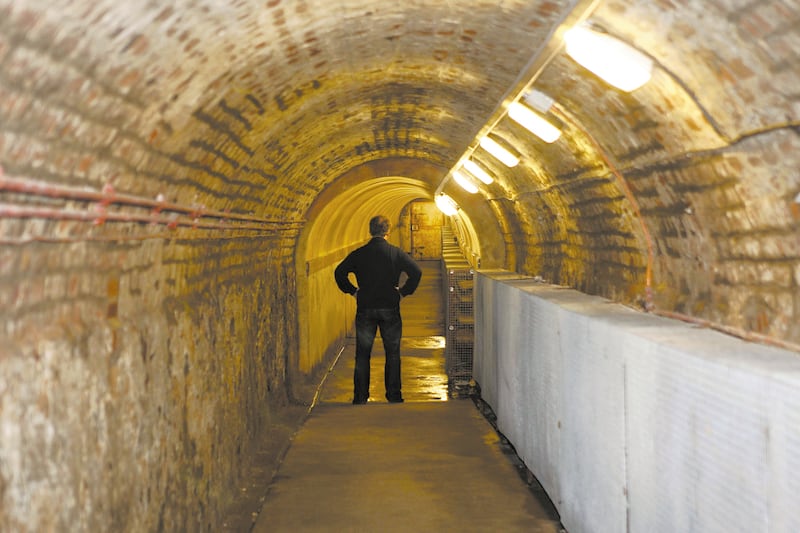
(258, 107)
(281, 97)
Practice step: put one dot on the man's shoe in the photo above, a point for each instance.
(359, 402)
(396, 400)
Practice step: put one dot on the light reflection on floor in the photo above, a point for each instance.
(422, 372)
(431, 343)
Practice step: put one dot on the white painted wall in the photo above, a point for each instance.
(633, 422)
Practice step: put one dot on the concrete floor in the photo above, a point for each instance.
(429, 464)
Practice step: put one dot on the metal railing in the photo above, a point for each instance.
(458, 280)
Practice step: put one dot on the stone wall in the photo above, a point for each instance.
(147, 326)
(137, 378)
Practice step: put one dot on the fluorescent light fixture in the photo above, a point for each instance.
(474, 169)
(538, 100)
(446, 204)
(616, 62)
(532, 122)
(505, 157)
(465, 182)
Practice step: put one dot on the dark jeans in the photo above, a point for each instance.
(367, 322)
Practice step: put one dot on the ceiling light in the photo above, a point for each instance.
(505, 157)
(465, 182)
(532, 122)
(446, 204)
(616, 62)
(538, 100)
(478, 172)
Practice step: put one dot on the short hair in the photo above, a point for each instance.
(379, 226)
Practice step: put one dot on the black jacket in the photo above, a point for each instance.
(377, 266)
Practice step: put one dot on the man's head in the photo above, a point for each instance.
(379, 226)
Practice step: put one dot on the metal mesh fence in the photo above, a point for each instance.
(458, 278)
(460, 324)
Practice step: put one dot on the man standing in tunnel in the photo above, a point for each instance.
(377, 266)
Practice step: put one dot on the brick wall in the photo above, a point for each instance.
(689, 180)
(142, 375)
(141, 362)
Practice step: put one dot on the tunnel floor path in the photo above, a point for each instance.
(429, 464)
